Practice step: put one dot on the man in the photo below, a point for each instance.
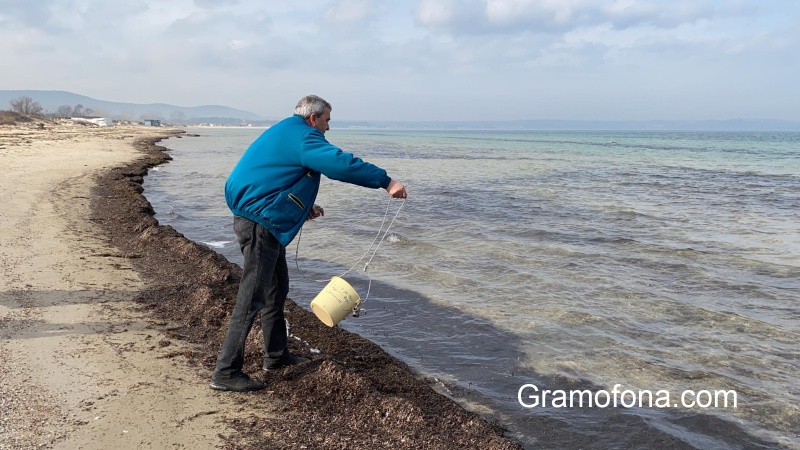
(271, 193)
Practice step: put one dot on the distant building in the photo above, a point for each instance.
(152, 123)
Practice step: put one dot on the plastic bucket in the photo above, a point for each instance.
(336, 300)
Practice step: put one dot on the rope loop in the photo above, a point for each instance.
(366, 265)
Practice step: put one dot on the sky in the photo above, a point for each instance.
(447, 60)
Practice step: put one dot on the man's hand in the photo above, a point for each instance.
(396, 190)
(316, 211)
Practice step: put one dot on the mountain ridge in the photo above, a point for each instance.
(53, 99)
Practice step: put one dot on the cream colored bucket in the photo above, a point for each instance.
(336, 300)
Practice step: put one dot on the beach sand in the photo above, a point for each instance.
(110, 325)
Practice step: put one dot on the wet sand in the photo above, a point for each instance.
(110, 325)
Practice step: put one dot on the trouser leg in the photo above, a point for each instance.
(273, 323)
(262, 255)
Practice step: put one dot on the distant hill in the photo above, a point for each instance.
(51, 100)
(223, 115)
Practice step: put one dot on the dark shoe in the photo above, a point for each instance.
(240, 382)
(289, 359)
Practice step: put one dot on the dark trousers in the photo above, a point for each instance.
(264, 287)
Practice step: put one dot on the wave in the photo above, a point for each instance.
(216, 244)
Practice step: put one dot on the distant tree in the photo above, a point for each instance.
(101, 113)
(78, 110)
(64, 111)
(26, 105)
(88, 112)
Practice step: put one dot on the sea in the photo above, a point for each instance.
(653, 276)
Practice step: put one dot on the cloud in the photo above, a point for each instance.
(26, 13)
(353, 12)
(478, 17)
(70, 17)
(210, 4)
(555, 54)
(664, 15)
(220, 26)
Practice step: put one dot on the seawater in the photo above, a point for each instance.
(652, 260)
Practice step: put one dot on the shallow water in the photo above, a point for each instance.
(653, 260)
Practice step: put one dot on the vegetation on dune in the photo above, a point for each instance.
(26, 105)
(22, 108)
(29, 107)
(12, 118)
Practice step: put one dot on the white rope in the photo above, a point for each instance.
(366, 265)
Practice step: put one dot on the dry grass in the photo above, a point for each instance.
(12, 118)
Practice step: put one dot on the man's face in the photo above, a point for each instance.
(321, 122)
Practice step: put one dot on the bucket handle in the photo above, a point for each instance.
(357, 309)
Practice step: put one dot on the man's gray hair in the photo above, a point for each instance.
(311, 104)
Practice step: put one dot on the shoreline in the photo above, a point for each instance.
(111, 324)
(83, 367)
(641, 431)
(351, 392)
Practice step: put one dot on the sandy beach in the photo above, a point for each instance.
(110, 324)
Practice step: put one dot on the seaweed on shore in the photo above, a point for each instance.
(352, 395)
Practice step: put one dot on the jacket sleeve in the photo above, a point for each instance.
(318, 154)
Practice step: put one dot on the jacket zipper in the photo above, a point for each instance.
(297, 201)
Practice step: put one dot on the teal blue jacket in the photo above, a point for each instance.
(277, 179)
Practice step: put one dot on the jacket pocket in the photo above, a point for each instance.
(293, 205)
(296, 200)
